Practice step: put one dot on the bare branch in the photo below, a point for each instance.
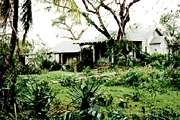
(112, 12)
(122, 18)
(80, 34)
(133, 2)
(87, 8)
(71, 38)
(96, 26)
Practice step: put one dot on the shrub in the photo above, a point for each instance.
(132, 78)
(83, 93)
(103, 61)
(173, 75)
(34, 99)
(55, 66)
(162, 114)
(117, 114)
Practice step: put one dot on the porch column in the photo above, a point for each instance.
(112, 55)
(61, 58)
(94, 53)
(80, 57)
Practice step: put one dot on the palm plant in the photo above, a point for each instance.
(83, 93)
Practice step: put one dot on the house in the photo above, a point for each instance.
(157, 43)
(97, 47)
(66, 52)
(149, 39)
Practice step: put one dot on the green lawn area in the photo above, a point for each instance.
(147, 98)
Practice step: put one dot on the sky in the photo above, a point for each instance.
(145, 13)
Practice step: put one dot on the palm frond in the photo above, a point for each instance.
(4, 7)
(26, 17)
(70, 6)
(4, 11)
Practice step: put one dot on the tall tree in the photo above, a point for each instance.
(94, 10)
(169, 25)
(119, 9)
(9, 13)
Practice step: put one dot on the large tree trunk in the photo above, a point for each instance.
(14, 33)
(10, 53)
(13, 43)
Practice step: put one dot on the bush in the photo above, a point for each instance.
(34, 99)
(162, 114)
(103, 61)
(55, 66)
(173, 76)
(132, 78)
(117, 114)
(83, 93)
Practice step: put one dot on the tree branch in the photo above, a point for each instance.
(87, 8)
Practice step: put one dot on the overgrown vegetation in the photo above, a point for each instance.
(142, 88)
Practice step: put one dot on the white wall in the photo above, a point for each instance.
(157, 48)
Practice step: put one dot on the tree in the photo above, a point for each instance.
(118, 10)
(9, 14)
(170, 28)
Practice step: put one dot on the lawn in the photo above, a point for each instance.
(146, 96)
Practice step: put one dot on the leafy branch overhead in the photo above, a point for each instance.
(67, 5)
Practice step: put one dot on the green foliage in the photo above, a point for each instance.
(121, 50)
(71, 6)
(36, 63)
(132, 78)
(170, 27)
(89, 114)
(173, 75)
(103, 61)
(104, 99)
(4, 46)
(139, 100)
(34, 99)
(162, 114)
(117, 114)
(83, 93)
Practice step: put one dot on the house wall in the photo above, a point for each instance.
(155, 44)
(158, 48)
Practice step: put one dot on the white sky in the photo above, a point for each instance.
(146, 12)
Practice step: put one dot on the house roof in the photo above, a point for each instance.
(140, 34)
(98, 39)
(89, 41)
(157, 37)
(157, 40)
(66, 47)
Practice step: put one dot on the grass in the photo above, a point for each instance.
(147, 98)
